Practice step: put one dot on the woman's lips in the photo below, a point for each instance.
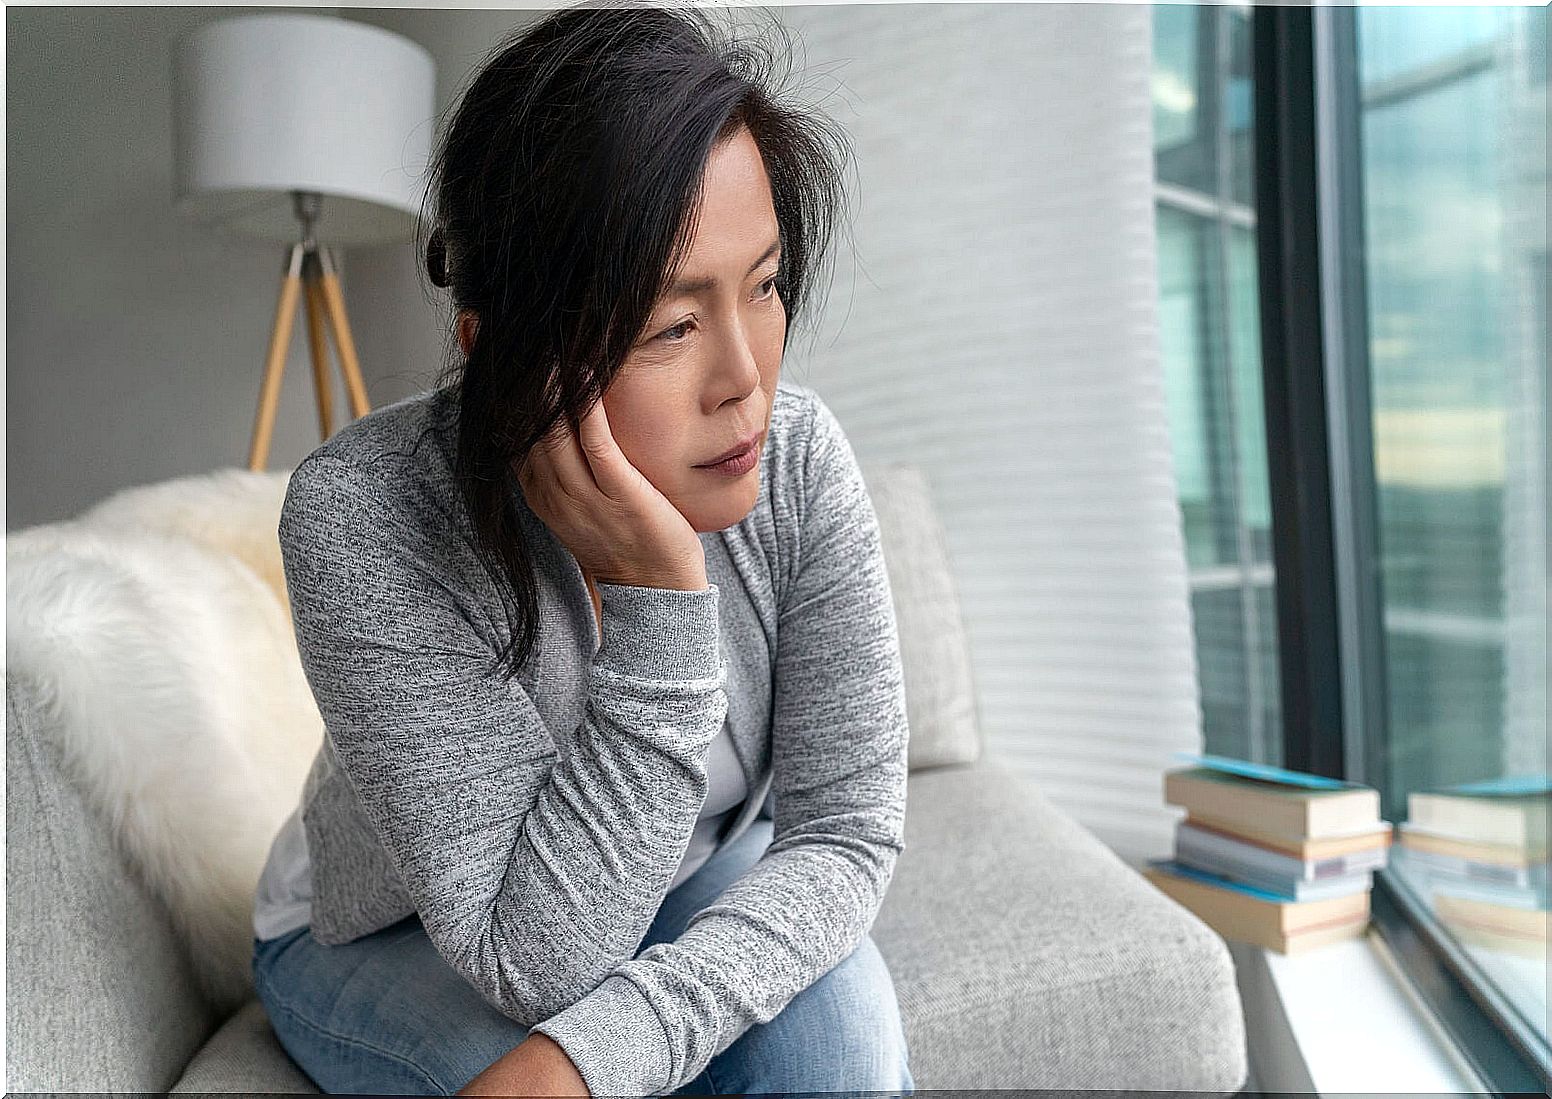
(739, 451)
(739, 464)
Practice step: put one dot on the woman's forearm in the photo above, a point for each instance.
(535, 1066)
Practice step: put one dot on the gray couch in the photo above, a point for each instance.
(1025, 953)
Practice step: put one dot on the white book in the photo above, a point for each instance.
(1306, 879)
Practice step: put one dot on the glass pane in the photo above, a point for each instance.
(1180, 338)
(1211, 351)
(1408, 40)
(1174, 75)
(1238, 104)
(1250, 414)
(1202, 102)
(1454, 206)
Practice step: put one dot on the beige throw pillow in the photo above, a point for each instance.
(934, 652)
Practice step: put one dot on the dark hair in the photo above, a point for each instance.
(561, 202)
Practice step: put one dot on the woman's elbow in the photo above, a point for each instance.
(532, 983)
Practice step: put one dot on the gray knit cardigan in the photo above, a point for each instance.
(535, 824)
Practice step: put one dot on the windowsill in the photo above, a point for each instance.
(1339, 1020)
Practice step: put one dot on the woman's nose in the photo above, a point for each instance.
(738, 363)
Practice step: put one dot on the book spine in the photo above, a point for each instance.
(1282, 869)
(1297, 890)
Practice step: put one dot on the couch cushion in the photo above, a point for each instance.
(245, 1056)
(1025, 953)
(934, 652)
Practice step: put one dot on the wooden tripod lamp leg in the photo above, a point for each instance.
(275, 363)
(323, 385)
(350, 367)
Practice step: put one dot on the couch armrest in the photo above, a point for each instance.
(1026, 953)
(100, 995)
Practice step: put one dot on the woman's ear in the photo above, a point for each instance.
(468, 325)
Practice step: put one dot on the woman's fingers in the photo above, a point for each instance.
(558, 460)
(581, 464)
(605, 511)
(606, 462)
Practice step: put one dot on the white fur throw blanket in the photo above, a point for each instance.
(156, 629)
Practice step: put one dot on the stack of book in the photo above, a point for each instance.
(1481, 852)
(1280, 859)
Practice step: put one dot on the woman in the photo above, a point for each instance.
(614, 779)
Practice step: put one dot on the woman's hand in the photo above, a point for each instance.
(615, 522)
(535, 1066)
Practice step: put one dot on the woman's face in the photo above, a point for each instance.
(702, 375)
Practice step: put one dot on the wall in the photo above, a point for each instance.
(135, 338)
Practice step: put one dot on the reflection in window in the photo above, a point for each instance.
(1453, 108)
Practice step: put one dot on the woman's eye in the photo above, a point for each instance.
(767, 288)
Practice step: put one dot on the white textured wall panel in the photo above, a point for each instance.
(993, 320)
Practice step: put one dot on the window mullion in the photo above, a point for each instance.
(1298, 459)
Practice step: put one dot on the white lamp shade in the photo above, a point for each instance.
(264, 105)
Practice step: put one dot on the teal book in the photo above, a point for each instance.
(1180, 869)
(1267, 773)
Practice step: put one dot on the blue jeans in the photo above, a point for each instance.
(386, 1014)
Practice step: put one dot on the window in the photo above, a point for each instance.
(1387, 167)
(1452, 133)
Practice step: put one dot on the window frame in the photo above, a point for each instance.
(1308, 171)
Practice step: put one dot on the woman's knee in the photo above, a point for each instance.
(385, 1014)
(341, 1063)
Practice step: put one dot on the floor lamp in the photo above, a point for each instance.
(292, 129)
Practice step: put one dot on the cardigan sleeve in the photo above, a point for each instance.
(838, 739)
(536, 857)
